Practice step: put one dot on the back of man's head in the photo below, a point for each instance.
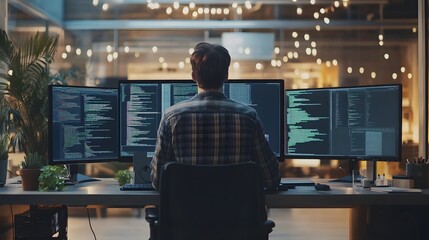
(210, 63)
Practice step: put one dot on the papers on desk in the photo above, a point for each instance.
(395, 190)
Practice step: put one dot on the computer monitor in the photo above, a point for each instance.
(356, 123)
(82, 126)
(142, 103)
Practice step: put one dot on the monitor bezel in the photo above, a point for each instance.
(397, 158)
(51, 159)
(280, 158)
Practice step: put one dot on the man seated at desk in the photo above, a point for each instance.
(210, 128)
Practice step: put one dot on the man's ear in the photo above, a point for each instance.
(194, 76)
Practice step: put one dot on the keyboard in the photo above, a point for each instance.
(137, 187)
(297, 182)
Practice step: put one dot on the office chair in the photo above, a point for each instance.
(210, 202)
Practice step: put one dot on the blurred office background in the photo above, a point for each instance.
(308, 43)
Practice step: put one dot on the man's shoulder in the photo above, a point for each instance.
(210, 106)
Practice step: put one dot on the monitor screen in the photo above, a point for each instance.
(142, 104)
(82, 124)
(362, 122)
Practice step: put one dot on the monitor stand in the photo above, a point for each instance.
(141, 165)
(75, 177)
(371, 170)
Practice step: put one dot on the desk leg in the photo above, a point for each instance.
(389, 222)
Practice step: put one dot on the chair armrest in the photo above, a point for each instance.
(151, 214)
(269, 225)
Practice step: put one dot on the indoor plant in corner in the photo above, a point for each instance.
(30, 171)
(4, 155)
(24, 80)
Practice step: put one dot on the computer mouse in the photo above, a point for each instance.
(322, 187)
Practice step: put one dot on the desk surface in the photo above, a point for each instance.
(106, 192)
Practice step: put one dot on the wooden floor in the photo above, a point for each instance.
(291, 224)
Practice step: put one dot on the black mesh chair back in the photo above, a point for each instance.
(207, 202)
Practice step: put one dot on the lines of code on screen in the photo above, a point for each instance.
(355, 122)
(141, 109)
(84, 124)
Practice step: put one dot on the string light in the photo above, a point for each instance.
(294, 34)
(236, 65)
(336, 3)
(328, 63)
(307, 36)
(176, 5)
(314, 52)
(109, 48)
(349, 69)
(109, 57)
(316, 15)
(185, 11)
(326, 20)
(295, 54)
(296, 44)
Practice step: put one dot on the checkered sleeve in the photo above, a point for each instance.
(163, 152)
(266, 159)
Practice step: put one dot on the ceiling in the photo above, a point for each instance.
(176, 26)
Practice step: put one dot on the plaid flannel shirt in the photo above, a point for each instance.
(213, 129)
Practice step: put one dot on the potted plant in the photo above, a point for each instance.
(30, 171)
(4, 155)
(52, 178)
(123, 177)
(24, 80)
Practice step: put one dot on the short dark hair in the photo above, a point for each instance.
(210, 63)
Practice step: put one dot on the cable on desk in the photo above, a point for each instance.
(13, 219)
(90, 225)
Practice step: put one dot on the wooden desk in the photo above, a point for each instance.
(372, 213)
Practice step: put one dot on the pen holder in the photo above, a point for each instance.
(420, 174)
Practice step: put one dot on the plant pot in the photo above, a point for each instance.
(3, 172)
(30, 179)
